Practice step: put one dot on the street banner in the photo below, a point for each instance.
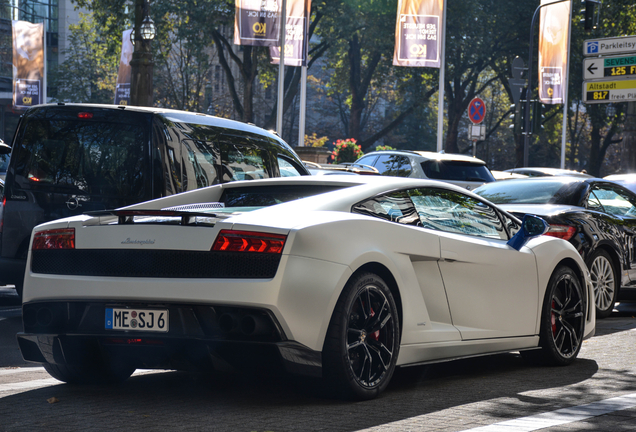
(28, 64)
(296, 30)
(418, 33)
(257, 22)
(554, 31)
(122, 88)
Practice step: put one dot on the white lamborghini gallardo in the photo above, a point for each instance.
(344, 277)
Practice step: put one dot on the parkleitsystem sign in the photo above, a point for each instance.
(607, 78)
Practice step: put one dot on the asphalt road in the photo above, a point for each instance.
(487, 394)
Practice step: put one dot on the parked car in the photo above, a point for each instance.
(71, 158)
(598, 217)
(506, 175)
(340, 277)
(336, 169)
(465, 171)
(626, 180)
(547, 172)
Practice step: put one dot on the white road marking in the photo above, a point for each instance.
(561, 416)
(20, 370)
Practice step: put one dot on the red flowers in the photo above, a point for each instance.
(346, 150)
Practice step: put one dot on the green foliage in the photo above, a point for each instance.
(89, 72)
(314, 141)
(347, 150)
(384, 147)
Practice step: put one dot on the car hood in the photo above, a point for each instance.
(540, 209)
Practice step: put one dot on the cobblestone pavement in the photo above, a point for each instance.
(455, 396)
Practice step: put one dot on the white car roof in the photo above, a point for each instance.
(428, 155)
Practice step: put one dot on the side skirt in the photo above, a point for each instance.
(437, 352)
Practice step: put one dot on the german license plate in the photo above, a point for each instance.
(155, 320)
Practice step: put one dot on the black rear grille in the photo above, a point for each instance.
(155, 263)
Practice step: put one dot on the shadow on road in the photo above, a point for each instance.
(175, 400)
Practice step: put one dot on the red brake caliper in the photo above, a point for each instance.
(376, 334)
(553, 320)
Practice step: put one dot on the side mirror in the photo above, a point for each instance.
(531, 226)
(4, 149)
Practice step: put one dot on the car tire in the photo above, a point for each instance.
(90, 373)
(363, 339)
(562, 320)
(605, 281)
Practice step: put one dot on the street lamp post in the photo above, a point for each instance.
(141, 63)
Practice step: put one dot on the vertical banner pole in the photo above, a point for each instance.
(303, 107)
(281, 70)
(44, 78)
(565, 93)
(442, 68)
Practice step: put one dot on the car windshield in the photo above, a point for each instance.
(529, 192)
(90, 157)
(456, 170)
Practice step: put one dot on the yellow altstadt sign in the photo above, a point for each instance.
(609, 91)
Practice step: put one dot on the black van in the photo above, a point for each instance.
(67, 159)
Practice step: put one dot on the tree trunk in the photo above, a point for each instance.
(357, 99)
(628, 160)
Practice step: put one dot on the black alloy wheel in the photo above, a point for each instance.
(562, 320)
(362, 341)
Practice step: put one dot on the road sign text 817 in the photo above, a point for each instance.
(599, 95)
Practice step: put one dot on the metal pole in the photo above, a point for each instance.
(281, 71)
(564, 129)
(440, 103)
(526, 139)
(303, 107)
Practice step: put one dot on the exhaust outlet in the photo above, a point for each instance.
(254, 325)
(44, 317)
(228, 322)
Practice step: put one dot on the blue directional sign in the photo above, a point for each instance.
(477, 110)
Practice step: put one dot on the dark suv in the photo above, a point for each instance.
(67, 159)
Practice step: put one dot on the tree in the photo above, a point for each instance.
(360, 35)
(486, 38)
(89, 72)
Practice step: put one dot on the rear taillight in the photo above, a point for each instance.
(249, 241)
(85, 115)
(565, 232)
(54, 239)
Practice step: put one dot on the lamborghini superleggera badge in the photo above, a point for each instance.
(138, 242)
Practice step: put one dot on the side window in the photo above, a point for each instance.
(243, 159)
(172, 162)
(610, 200)
(199, 161)
(286, 168)
(368, 160)
(394, 207)
(393, 165)
(454, 212)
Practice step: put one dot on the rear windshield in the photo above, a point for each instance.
(529, 192)
(263, 196)
(77, 156)
(456, 170)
